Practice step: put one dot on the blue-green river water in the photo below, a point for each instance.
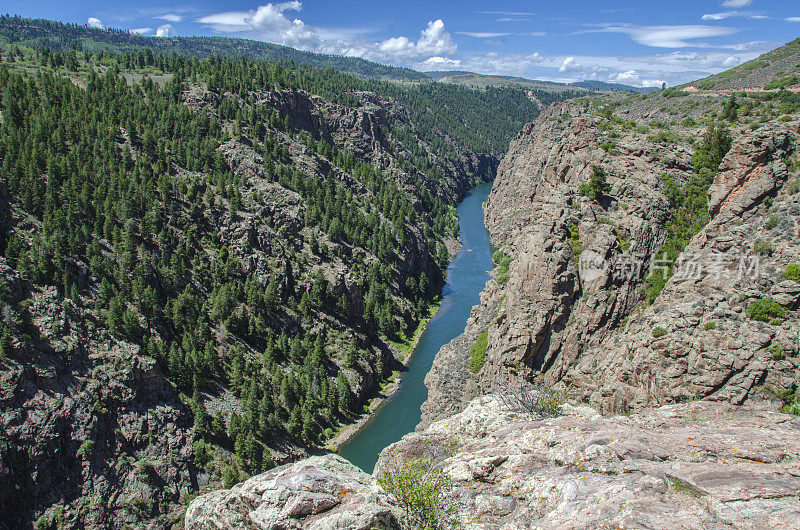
(466, 277)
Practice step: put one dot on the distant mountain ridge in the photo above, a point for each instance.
(476, 80)
(59, 36)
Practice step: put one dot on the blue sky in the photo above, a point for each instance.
(635, 42)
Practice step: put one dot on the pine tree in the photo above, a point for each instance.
(343, 393)
(6, 346)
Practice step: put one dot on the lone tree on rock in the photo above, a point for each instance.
(597, 186)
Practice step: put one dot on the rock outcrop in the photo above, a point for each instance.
(88, 426)
(701, 464)
(321, 492)
(712, 347)
(572, 304)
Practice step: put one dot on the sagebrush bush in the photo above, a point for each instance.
(762, 248)
(420, 487)
(766, 310)
(659, 332)
(528, 393)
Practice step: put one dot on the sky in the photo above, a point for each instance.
(641, 43)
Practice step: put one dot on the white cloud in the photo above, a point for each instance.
(434, 40)
(482, 35)
(141, 31)
(94, 23)
(569, 65)
(270, 23)
(170, 17)
(730, 62)
(731, 14)
(649, 70)
(793, 19)
(165, 30)
(668, 36)
(736, 3)
(627, 77)
(439, 63)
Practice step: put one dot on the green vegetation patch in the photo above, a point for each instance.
(478, 352)
(503, 262)
(766, 310)
(782, 82)
(792, 272)
(688, 205)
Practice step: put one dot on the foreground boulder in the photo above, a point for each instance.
(700, 464)
(320, 492)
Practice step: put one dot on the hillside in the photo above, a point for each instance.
(774, 70)
(209, 266)
(474, 80)
(38, 33)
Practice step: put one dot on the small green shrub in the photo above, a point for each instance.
(664, 137)
(421, 490)
(766, 310)
(689, 122)
(710, 325)
(575, 241)
(86, 449)
(659, 332)
(622, 239)
(146, 472)
(478, 352)
(762, 248)
(772, 222)
(777, 352)
(792, 272)
(608, 146)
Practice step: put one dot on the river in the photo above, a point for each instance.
(466, 277)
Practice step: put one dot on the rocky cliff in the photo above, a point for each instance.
(701, 464)
(573, 302)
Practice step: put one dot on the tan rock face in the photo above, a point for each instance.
(713, 348)
(572, 305)
(692, 465)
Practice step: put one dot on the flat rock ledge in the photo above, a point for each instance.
(692, 465)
